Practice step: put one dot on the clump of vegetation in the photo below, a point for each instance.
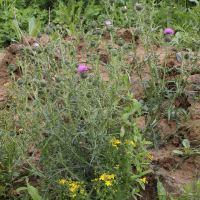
(85, 126)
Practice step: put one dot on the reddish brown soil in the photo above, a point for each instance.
(171, 169)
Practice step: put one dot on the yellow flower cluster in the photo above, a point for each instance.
(130, 142)
(108, 179)
(74, 186)
(115, 142)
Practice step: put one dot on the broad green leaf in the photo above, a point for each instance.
(54, 36)
(121, 88)
(195, 1)
(178, 152)
(187, 150)
(33, 192)
(136, 104)
(122, 132)
(162, 194)
(186, 143)
(21, 188)
(31, 25)
(17, 30)
(36, 29)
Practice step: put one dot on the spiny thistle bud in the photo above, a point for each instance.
(35, 81)
(48, 31)
(21, 48)
(43, 83)
(167, 38)
(84, 75)
(39, 35)
(76, 65)
(112, 1)
(67, 62)
(81, 17)
(110, 46)
(20, 82)
(98, 31)
(78, 26)
(28, 109)
(120, 42)
(58, 27)
(73, 39)
(115, 52)
(39, 50)
(130, 46)
(147, 8)
(58, 79)
(11, 68)
(88, 54)
(93, 25)
(187, 56)
(14, 105)
(90, 79)
(124, 9)
(61, 91)
(109, 28)
(89, 95)
(51, 25)
(92, 43)
(139, 7)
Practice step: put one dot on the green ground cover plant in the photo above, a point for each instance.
(85, 127)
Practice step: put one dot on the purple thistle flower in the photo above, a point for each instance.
(35, 44)
(169, 31)
(108, 22)
(82, 68)
(59, 51)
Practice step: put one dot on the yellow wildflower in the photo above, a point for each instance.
(73, 195)
(131, 142)
(6, 84)
(117, 167)
(150, 157)
(108, 183)
(103, 177)
(144, 180)
(174, 7)
(63, 181)
(112, 176)
(82, 191)
(115, 142)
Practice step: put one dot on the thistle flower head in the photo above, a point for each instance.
(108, 22)
(35, 44)
(82, 68)
(59, 51)
(169, 31)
